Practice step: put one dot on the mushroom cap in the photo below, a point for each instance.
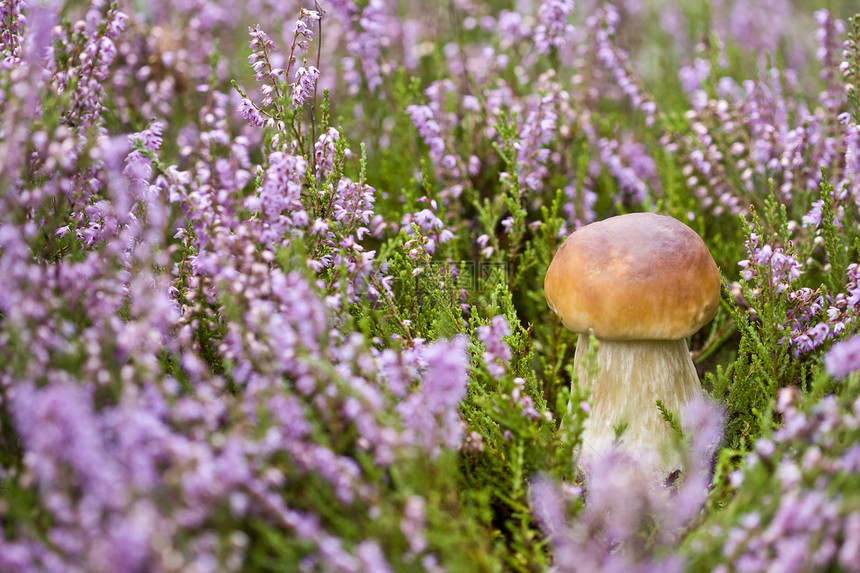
(634, 277)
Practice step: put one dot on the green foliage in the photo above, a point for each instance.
(671, 418)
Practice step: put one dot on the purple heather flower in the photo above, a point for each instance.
(60, 430)
(428, 129)
(369, 31)
(538, 130)
(303, 89)
(849, 553)
(260, 43)
(324, 152)
(606, 535)
(431, 226)
(12, 35)
(783, 269)
(151, 136)
(553, 31)
(844, 358)
(602, 24)
(523, 401)
(279, 199)
(851, 174)
(137, 166)
(759, 25)
(430, 417)
(829, 46)
(353, 207)
(39, 21)
(249, 111)
(302, 30)
(413, 524)
(803, 508)
(497, 353)
(813, 217)
(630, 164)
(513, 29)
(371, 557)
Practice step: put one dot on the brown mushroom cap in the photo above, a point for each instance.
(634, 277)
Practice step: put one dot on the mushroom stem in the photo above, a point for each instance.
(632, 375)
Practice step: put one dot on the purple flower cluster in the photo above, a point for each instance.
(429, 414)
(549, 115)
(432, 230)
(533, 151)
(828, 34)
(370, 29)
(603, 23)
(631, 165)
(436, 125)
(279, 200)
(262, 48)
(851, 174)
(804, 517)
(497, 353)
(306, 78)
(782, 268)
(12, 35)
(114, 462)
(816, 319)
(761, 129)
(759, 26)
(91, 54)
(814, 316)
(553, 31)
(844, 358)
(428, 128)
(343, 210)
(155, 414)
(269, 112)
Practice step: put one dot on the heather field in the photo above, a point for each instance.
(272, 285)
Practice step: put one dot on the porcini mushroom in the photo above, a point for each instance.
(641, 284)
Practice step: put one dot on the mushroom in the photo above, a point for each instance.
(641, 284)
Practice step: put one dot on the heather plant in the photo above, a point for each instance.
(271, 283)
(807, 521)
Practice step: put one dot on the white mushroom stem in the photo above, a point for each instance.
(631, 376)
